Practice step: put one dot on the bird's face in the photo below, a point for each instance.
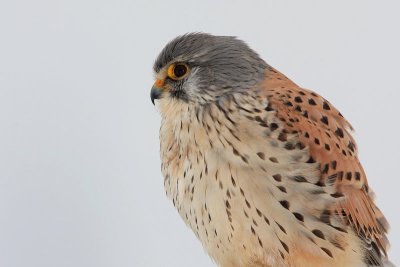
(200, 68)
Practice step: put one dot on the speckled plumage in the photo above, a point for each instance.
(264, 172)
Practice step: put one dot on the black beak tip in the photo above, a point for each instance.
(155, 94)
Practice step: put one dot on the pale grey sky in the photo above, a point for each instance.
(80, 182)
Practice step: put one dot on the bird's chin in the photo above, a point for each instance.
(172, 108)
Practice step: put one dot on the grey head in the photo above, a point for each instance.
(216, 66)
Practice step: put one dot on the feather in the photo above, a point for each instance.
(327, 134)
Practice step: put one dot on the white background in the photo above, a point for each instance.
(80, 181)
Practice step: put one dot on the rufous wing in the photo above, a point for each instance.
(326, 133)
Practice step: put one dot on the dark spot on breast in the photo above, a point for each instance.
(229, 215)
(337, 244)
(300, 145)
(281, 227)
(259, 242)
(328, 252)
(300, 179)
(282, 188)
(258, 212)
(285, 246)
(258, 118)
(277, 177)
(266, 220)
(273, 159)
(261, 155)
(358, 176)
(249, 117)
(282, 255)
(318, 191)
(247, 203)
(282, 137)
(318, 233)
(326, 216)
(349, 175)
(289, 146)
(245, 214)
(338, 228)
(252, 230)
(316, 141)
(273, 126)
(298, 216)
(233, 181)
(221, 185)
(285, 204)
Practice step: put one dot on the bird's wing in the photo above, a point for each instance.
(323, 129)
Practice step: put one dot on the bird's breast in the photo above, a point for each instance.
(245, 196)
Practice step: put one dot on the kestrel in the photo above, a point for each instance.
(263, 171)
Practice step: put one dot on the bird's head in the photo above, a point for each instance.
(199, 68)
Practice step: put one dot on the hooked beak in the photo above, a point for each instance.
(157, 90)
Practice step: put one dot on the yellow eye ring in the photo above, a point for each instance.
(178, 71)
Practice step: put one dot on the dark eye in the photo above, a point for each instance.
(178, 71)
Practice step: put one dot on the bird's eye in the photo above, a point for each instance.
(178, 71)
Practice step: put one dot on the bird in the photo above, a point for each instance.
(264, 172)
